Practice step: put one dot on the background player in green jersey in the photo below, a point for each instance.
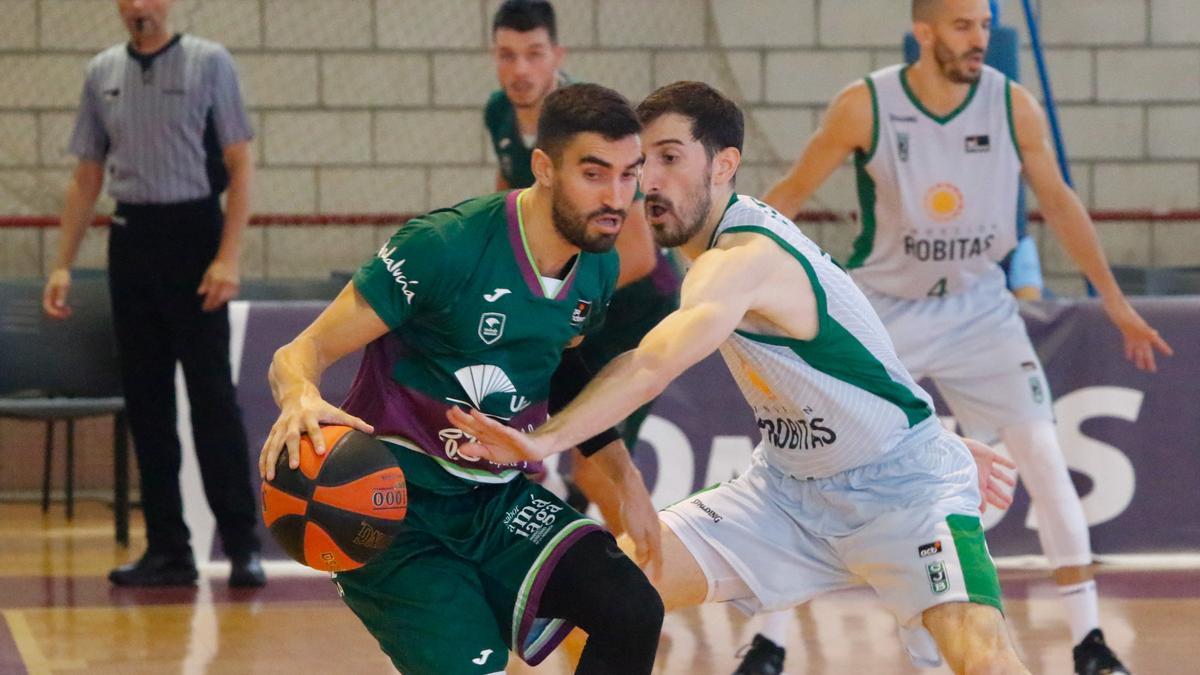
(472, 306)
(528, 61)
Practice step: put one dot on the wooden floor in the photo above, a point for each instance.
(61, 616)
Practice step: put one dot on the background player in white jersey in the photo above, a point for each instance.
(854, 480)
(939, 147)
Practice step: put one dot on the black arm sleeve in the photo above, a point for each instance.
(566, 383)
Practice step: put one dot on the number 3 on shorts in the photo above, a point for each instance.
(938, 289)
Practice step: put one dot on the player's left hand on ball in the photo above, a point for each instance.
(992, 479)
(1141, 340)
(494, 441)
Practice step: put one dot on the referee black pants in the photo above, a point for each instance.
(157, 256)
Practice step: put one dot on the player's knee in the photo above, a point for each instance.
(973, 639)
(638, 608)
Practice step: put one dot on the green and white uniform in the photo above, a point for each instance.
(938, 197)
(473, 324)
(854, 479)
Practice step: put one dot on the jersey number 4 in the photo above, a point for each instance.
(938, 289)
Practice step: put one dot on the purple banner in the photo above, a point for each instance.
(1131, 438)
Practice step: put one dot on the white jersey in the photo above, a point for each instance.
(937, 195)
(833, 403)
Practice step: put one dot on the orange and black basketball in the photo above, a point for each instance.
(339, 510)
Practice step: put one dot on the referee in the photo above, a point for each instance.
(164, 115)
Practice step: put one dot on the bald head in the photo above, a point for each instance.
(925, 10)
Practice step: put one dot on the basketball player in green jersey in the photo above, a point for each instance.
(528, 62)
(939, 149)
(472, 306)
(854, 482)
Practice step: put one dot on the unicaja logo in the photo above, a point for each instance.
(395, 267)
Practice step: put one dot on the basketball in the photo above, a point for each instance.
(337, 511)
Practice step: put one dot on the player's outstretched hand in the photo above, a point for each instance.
(1141, 340)
(991, 478)
(305, 416)
(493, 441)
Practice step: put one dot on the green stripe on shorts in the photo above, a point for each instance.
(978, 570)
(527, 585)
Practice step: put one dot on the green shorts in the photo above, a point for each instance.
(461, 585)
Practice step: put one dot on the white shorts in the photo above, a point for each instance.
(974, 347)
(908, 527)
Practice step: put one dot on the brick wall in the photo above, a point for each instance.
(374, 105)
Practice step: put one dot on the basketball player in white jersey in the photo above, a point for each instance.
(939, 149)
(854, 480)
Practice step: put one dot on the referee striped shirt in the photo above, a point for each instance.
(160, 121)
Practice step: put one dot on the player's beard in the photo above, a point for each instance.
(573, 225)
(690, 216)
(953, 66)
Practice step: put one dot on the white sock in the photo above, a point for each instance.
(1083, 608)
(777, 626)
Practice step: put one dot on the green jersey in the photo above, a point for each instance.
(514, 153)
(513, 150)
(473, 323)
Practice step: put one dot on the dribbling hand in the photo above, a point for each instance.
(304, 416)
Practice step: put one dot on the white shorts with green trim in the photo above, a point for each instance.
(908, 527)
(974, 347)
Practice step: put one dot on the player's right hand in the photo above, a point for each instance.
(995, 486)
(495, 442)
(54, 295)
(305, 415)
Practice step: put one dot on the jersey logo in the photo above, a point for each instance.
(491, 327)
(911, 119)
(979, 143)
(582, 309)
(902, 145)
(943, 202)
(396, 268)
(482, 381)
(496, 294)
(483, 657)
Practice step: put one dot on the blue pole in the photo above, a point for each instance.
(1051, 109)
(1035, 40)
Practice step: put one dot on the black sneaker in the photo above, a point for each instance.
(1093, 657)
(761, 657)
(156, 569)
(247, 571)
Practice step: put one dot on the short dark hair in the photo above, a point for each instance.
(526, 15)
(717, 122)
(582, 108)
